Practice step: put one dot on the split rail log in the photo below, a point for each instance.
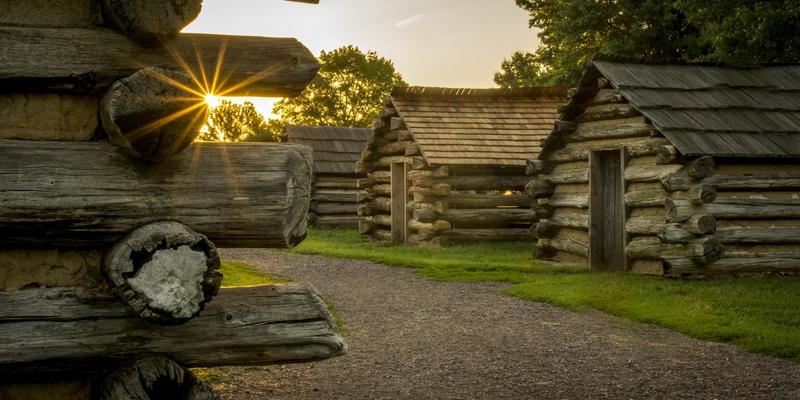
(84, 330)
(165, 271)
(774, 235)
(705, 250)
(744, 263)
(510, 182)
(487, 217)
(89, 194)
(679, 210)
(90, 60)
(150, 22)
(578, 221)
(475, 235)
(151, 115)
(773, 181)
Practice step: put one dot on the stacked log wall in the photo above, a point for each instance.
(604, 120)
(335, 201)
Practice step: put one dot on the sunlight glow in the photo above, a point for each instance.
(213, 100)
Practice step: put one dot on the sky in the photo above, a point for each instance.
(450, 43)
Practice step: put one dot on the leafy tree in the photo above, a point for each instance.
(231, 122)
(520, 70)
(731, 31)
(348, 91)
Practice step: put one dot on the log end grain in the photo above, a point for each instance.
(150, 22)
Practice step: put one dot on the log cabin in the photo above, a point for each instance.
(110, 283)
(448, 165)
(334, 200)
(670, 169)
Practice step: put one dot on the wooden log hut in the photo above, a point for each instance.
(110, 217)
(447, 165)
(334, 201)
(673, 169)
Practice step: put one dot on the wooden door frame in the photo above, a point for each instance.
(399, 202)
(623, 158)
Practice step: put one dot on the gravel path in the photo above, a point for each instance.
(411, 338)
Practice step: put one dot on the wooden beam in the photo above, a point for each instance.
(80, 331)
(150, 22)
(92, 59)
(89, 194)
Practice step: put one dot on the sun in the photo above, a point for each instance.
(213, 100)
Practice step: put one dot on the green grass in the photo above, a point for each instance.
(757, 314)
(239, 274)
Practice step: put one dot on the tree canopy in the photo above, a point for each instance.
(348, 91)
(729, 31)
(232, 122)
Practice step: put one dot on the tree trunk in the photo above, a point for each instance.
(150, 114)
(165, 271)
(92, 59)
(150, 22)
(77, 331)
(242, 195)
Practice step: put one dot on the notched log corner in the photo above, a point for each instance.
(154, 377)
(150, 22)
(165, 271)
(153, 114)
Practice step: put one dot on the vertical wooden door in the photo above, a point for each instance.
(399, 202)
(607, 211)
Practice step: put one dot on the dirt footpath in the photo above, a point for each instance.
(412, 338)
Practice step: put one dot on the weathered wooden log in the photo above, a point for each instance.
(499, 217)
(248, 195)
(677, 181)
(366, 225)
(382, 235)
(437, 225)
(607, 96)
(603, 83)
(748, 235)
(388, 112)
(740, 264)
(667, 154)
(645, 225)
(426, 214)
(437, 241)
(363, 197)
(564, 127)
(403, 135)
(675, 233)
(488, 182)
(679, 210)
(364, 210)
(164, 271)
(381, 204)
(312, 217)
(650, 173)
(700, 167)
(608, 111)
(571, 200)
(439, 207)
(396, 124)
(364, 167)
(440, 171)
(537, 167)
(469, 200)
(373, 178)
(544, 251)
(153, 114)
(379, 125)
(336, 208)
(645, 198)
(150, 22)
(336, 196)
(337, 221)
(542, 210)
(705, 250)
(570, 245)
(578, 175)
(578, 221)
(546, 230)
(387, 161)
(334, 182)
(381, 190)
(483, 235)
(381, 219)
(437, 190)
(411, 149)
(539, 188)
(78, 331)
(701, 224)
(392, 148)
(701, 194)
(773, 181)
(78, 59)
(621, 131)
(151, 378)
(634, 149)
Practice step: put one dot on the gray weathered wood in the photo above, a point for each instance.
(89, 194)
(468, 200)
(748, 235)
(667, 154)
(336, 208)
(150, 22)
(570, 200)
(79, 331)
(92, 59)
(151, 378)
(481, 235)
(487, 182)
(645, 225)
(701, 224)
(398, 190)
(500, 217)
(645, 198)
(740, 264)
(165, 271)
(619, 131)
(700, 167)
(639, 148)
(336, 196)
(607, 217)
(608, 111)
(650, 173)
(540, 187)
(705, 250)
(536, 167)
(151, 114)
(777, 180)
(679, 210)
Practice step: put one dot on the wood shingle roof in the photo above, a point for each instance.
(498, 127)
(336, 150)
(713, 110)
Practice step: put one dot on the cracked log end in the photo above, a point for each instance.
(154, 377)
(152, 114)
(164, 271)
(150, 22)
